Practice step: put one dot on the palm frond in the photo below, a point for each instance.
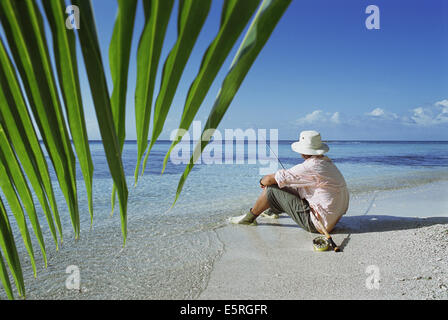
(100, 94)
(16, 122)
(256, 37)
(15, 186)
(191, 18)
(67, 70)
(33, 97)
(22, 23)
(234, 18)
(157, 15)
(4, 278)
(8, 187)
(119, 54)
(8, 246)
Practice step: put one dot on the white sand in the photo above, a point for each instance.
(275, 259)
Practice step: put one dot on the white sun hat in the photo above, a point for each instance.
(310, 143)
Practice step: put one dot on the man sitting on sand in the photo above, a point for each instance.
(314, 189)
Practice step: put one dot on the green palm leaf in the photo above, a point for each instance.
(23, 165)
(9, 249)
(191, 18)
(157, 15)
(23, 28)
(234, 17)
(119, 53)
(261, 28)
(17, 123)
(12, 176)
(100, 94)
(4, 278)
(67, 68)
(7, 185)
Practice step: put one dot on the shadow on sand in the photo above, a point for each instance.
(371, 223)
(364, 224)
(381, 223)
(349, 225)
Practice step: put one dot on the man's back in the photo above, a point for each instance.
(321, 183)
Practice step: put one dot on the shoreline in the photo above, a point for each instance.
(383, 238)
(407, 250)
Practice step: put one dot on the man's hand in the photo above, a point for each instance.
(267, 180)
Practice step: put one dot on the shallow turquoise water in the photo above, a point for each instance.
(170, 252)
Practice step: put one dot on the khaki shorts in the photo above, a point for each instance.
(283, 200)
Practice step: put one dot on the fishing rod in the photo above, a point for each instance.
(317, 244)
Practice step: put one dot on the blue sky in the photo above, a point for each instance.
(322, 69)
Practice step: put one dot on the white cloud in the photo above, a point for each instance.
(381, 114)
(421, 116)
(443, 103)
(443, 106)
(318, 116)
(335, 117)
(378, 112)
(433, 115)
(312, 117)
(442, 118)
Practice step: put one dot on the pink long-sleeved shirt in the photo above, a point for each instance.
(321, 183)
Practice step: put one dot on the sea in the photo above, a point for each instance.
(170, 250)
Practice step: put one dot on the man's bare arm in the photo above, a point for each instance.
(268, 180)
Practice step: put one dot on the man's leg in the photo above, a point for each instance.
(272, 212)
(284, 200)
(261, 205)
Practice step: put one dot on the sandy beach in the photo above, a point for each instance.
(379, 238)
(275, 260)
